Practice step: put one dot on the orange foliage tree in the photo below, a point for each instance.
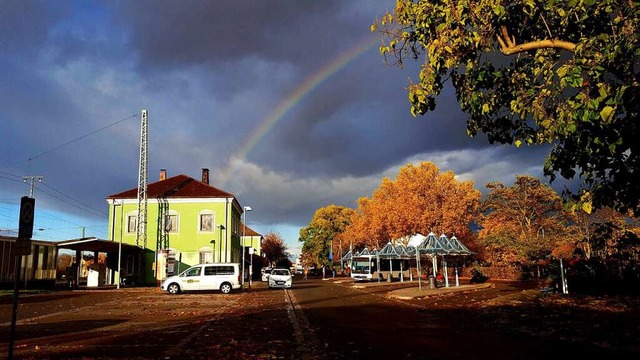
(419, 200)
(524, 223)
(274, 249)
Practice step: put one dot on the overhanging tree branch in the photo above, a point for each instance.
(508, 45)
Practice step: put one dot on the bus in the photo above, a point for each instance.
(365, 267)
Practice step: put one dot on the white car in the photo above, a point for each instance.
(265, 274)
(223, 277)
(280, 278)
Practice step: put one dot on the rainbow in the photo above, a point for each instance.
(299, 94)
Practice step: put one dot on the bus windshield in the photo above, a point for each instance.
(361, 266)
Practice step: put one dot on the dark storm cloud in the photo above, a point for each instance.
(24, 25)
(170, 33)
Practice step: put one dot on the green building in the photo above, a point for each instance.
(188, 222)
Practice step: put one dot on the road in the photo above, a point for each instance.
(316, 320)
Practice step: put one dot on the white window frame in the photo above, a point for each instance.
(213, 221)
(131, 214)
(177, 227)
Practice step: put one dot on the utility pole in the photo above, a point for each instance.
(32, 179)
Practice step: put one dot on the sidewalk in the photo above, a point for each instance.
(410, 289)
(414, 292)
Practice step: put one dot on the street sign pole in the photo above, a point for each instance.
(23, 247)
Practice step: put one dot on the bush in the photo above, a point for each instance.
(478, 277)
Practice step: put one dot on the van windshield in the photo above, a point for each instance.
(191, 272)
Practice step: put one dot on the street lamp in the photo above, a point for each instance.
(118, 203)
(251, 251)
(221, 228)
(244, 230)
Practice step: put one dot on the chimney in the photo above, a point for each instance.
(205, 176)
(163, 174)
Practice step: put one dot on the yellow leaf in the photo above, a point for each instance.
(518, 143)
(606, 113)
(587, 207)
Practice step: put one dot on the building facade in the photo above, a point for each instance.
(189, 222)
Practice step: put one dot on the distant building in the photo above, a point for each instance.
(39, 266)
(188, 222)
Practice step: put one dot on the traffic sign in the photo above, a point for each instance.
(27, 209)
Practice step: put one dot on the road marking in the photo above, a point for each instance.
(300, 324)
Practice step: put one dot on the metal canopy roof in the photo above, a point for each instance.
(94, 244)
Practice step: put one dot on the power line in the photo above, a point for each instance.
(93, 212)
(56, 217)
(71, 141)
(6, 173)
(78, 201)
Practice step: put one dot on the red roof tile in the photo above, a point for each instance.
(179, 186)
(247, 231)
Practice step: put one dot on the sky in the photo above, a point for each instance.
(288, 103)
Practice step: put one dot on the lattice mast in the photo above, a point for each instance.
(141, 233)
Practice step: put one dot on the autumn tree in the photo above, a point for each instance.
(565, 73)
(274, 249)
(325, 229)
(420, 199)
(522, 223)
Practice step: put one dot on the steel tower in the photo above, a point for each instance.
(141, 228)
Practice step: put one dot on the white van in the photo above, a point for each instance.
(223, 277)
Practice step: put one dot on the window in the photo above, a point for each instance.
(192, 272)
(171, 223)
(218, 270)
(132, 222)
(206, 222)
(206, 257)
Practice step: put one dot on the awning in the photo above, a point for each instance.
(94, 244)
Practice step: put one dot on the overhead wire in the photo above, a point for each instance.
(71, 141)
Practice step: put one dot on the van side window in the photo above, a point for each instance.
(209, 270)
(225, 270)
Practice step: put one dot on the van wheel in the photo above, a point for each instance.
(225, 288)
(173, 288)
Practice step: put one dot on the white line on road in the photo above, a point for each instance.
(307, 342)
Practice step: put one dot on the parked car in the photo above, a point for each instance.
(280, 278)
(223, 277)
(265, 274)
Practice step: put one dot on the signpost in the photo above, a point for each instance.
(23, 247)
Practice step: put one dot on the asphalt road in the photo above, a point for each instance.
(318, 320)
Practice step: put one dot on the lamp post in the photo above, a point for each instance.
(251, 251)
(221, 228)
(116, 203)
(244, 230)
(213, 250)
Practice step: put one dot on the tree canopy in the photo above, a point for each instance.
(523, 223)
(274, 249)
(565, 73)
(326, 228)
(419, 200)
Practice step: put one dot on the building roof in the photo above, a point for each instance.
(247, 231)
(179, 186)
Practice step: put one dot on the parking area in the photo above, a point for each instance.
(146, 323)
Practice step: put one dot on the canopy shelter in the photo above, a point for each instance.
(429, 245)
(113, 249)
(459, 247)
(347, 256)
(389, 252)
